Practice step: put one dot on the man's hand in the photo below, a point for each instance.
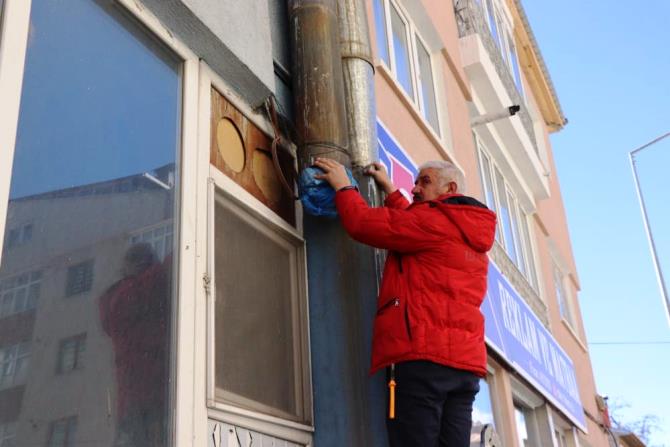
(378, 171)
(333, 172)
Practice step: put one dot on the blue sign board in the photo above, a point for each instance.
(513, 330)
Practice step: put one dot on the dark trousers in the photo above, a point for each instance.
(433, 406)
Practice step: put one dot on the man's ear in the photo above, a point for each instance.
(452, 188)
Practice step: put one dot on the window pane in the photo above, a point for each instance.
(380, 31)
(256, 304)
(505, 216)
(427, 86)
(487, 185)
(514, 209)
(532, 273)
(401, 52)
(99, 119)
(482, 410)
(493, 25)
(521, 427)
(562, 296)
(516, 72)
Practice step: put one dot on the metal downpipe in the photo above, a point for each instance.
(318, 87)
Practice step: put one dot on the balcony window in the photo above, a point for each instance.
(19, 293)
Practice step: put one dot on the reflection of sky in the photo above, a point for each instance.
(92, 98)
(521, 430)
(482, 413)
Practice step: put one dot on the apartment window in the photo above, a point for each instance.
(381, 32)
(79, 278)
(19, 236)
(400, 41)
(514, 209)
(426, 85)
(505, 216)
(8, 434)
(260, 303)
(71, 353)
(563, 297)
(62, 432)
(14, 362)
(407, 55)
(160, 239)
(20, 293)
(513, 232)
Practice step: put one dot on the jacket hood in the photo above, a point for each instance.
(475, 221)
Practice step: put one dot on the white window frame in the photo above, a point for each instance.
(412, 34)
(190, 417)
(505, 30)
(516, 213)
(285, 429)
(12, 362)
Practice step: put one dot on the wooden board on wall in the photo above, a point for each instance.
(253, 169)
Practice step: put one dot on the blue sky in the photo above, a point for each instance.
(610, 63)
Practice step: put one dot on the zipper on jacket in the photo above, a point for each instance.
(395, 302)
(409, 330)
(399, 262)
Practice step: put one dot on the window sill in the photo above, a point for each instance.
(413, 110)
(574, 335)
(262, 423)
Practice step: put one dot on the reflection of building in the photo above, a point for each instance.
(58, 373)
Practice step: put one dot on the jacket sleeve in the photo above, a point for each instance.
(396, 200)
(389, 228)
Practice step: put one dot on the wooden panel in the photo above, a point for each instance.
(258, 175)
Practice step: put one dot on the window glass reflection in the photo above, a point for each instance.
(86, 270)
(482, 409)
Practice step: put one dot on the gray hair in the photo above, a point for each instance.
(447, 172)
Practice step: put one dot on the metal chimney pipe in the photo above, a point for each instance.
(318, 87)
(358, 70)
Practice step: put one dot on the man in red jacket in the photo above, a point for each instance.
(428, 331)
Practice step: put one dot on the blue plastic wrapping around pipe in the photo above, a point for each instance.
(316, 195)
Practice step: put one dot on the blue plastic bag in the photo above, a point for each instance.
(316, 195)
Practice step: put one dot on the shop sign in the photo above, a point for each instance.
(514, 332)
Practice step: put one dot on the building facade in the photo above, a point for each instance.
(159, 284)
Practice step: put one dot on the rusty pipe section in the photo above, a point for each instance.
(318, 87)
(358, 72)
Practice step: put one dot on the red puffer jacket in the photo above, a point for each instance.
(434, 279)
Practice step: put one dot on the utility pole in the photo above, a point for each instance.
(650, 236)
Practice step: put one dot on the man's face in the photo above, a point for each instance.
(428, 186)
